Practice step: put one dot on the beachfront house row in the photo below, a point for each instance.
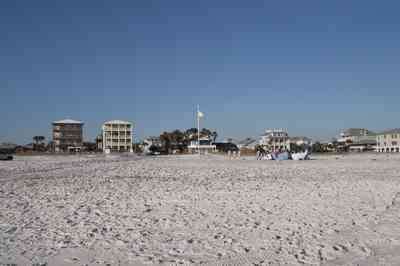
(275, 140)
(388, 141)
(117, 136)
(67, 135)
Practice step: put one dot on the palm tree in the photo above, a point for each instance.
(166, 140)
(214, 135)
(191, 134)
(38, 141)
(206, 133)
(178, 136)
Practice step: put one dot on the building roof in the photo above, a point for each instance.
(268, 132)
(117, 122)
(300, 139)
(247, 141)
(68, 121)
(364, 142)
(391, 131)
(231, 140)
(357, 132)
(152, 138)
(8, 146)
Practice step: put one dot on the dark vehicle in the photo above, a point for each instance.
(226, 147)
(6, 157)
(6, 152)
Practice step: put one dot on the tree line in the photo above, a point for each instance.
(179, 140)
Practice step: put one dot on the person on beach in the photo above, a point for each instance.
(260, 153)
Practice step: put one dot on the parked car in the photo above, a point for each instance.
(6, 157)
(226, 147)
(6, 151)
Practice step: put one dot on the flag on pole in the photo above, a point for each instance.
(200, 114)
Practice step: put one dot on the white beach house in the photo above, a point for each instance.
(117, 136)
(206, 146)
(275, 140)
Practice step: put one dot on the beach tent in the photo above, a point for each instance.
(283, 156)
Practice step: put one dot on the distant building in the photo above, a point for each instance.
(151, 141)
(353, 135)
(24, 149)
(248, 143)
(99, 142)
(67, 135)
(231, 140)
(117, 136)
(206, 146)
(388, 141)
(300, 141)
(363, 145)
(275, 140)
(357, 139)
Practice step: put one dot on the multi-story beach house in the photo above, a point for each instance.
(388, 141)
(275, 140)
(357, 139)
(67, 135)
(117, 136)
(354, 135)
(206, 146)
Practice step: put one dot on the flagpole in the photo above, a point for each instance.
(198, 128)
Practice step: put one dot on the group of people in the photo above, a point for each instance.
(263, 154)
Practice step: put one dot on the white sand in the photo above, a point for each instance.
(98, 210)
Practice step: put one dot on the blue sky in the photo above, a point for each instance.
(314, 67)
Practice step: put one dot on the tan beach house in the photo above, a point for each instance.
(67, 135)
(388, 141)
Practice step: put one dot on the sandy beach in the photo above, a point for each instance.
(132, 210)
